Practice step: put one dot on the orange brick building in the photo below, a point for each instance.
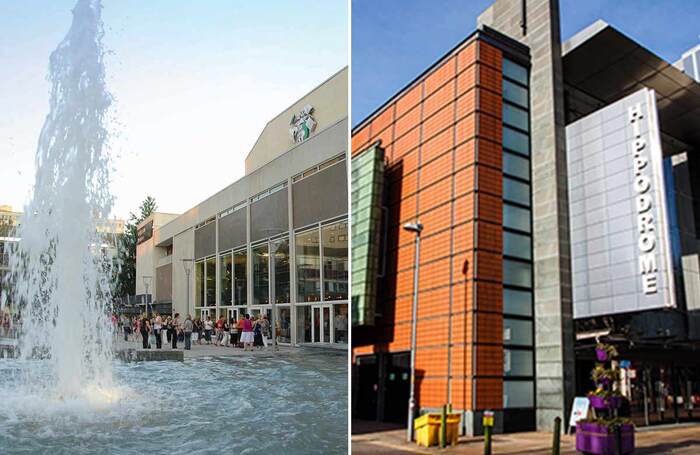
(453, 166)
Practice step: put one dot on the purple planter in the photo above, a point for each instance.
(601, 355)
(605, 403)
(595, 438)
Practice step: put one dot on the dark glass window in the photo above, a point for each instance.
(335, 261)
(514, 116)
(516, 217)
(211, 282)
(280, 254)
(517, 362)
(240, 278)
(517, 332)
(226, 277)
(517, 302)
(517, 245)
(515, 93)
(516, 166)
(261, 275)
(516, 141)
(514, 71)
(515, 191)
(517, 273)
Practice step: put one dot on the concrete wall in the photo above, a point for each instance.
(330, 103)
(554, 335)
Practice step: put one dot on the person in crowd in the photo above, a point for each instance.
(176, 329)
(240, 331)
(138, 328)
(225, 335)
(258, 334)
(247, 333)
(233, 331)
(145, 328)
(157, 327)
(198, 327)
(208, 328)
(218, 331)
(341, 326)
(126, 326)
(187, 328)
(169, 328)
(264, 329)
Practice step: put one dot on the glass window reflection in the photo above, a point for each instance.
(261, 275)
(335, 261)
(308, 265)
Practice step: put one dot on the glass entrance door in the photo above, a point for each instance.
(321, 324)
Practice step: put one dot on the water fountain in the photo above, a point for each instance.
(66, 393)
(60, 276)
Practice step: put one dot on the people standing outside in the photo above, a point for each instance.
(176, 329)
(258, 334)
(247, 333)
(198, 327)
(208, 328)
(264, 329)
(233, 331)
(219, 331)
(188, 327)
(126, 326)
(240, 331)
(169, 328)
(157, 327)
(145, 327)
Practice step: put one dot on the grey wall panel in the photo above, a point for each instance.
(321, 196)
(164, 283)
(232, 230)
(269, 216)
(604, 212)
(205, 241)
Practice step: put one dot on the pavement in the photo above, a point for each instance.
(666, 439)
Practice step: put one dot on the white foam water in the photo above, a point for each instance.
(60, 277)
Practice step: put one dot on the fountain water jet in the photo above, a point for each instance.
(59, 274)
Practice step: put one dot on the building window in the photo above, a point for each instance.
(280, 256)
(261, 275)
(516, 166)
(516, 141)
(308, 265)
(517, 273)
(515, 116)
(340, 323)
(518, 394)
(515, 93)
(518, 356)
(226, 277)
(517, 73)
(517, 362)
(516, 218)
(210, 280)
(517, 332)
(517, 302)
(240, 277)
(517, 245)
(199, 283)
(335, 261)
(515, 191)
(284, 324)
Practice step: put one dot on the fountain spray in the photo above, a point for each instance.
(59, 274)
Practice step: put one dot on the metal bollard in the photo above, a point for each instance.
(487, 422)
(443, 427)
(557, 436)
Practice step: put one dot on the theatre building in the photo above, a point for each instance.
(557, 186)
(273, 242)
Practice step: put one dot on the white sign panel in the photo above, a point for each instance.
(620, 249)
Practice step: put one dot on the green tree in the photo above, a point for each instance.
(126, 277)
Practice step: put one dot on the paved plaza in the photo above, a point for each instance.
(666, 439)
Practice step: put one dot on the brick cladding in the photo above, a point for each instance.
(442, 139)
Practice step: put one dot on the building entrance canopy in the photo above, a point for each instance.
(606, 65)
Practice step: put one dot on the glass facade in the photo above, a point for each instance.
(261, 275)
(280, 256)
(240, 280)
(199, 283)
(518, 331)
(308, 261)
(335, 261)
(210, 280)
(226, 277)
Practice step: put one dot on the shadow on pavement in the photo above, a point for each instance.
(370, 426)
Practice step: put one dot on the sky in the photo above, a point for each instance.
(393, 41)
(194, 85)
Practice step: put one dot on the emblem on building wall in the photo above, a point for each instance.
(302, 124)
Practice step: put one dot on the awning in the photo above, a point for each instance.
(607, 65)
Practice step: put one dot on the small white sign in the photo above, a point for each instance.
(579, 410)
